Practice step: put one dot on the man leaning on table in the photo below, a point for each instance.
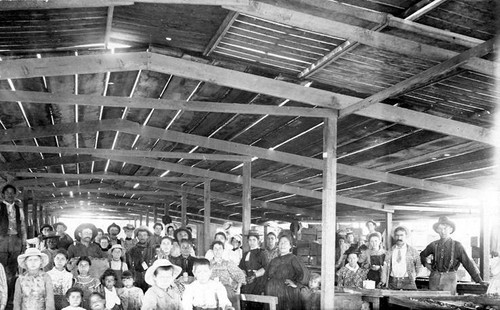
(447, 254)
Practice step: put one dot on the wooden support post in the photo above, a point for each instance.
(265, 236)
(140, 219)
(388, 230)
(135, 222)
(147, 216)
(155, 215)
(206, 215)
(329, 213)
(484, 242)
(40, 218)
(184, 209)
(246, 200)
(25, 207)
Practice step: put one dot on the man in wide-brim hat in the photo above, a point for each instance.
(113, 231)
(139, 256)
(129, 241)
(448, 254)
(84, 234)
(65, 240)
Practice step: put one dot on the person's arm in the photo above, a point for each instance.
(221, 293)
(24, 234)
(384, 275)
(340, 277)
(18, 295)
(187, 298)
(49, 293)
(418, 262)
(3, 288)
(469, 265)
(149, 302)
(426, 252)
(236, 274)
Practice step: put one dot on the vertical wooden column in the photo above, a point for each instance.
(184, 209)
(25, 207)
(388, 230)
(484, 243)
(140, 219)
(40, 215)
(34, 216)
(155, 215)
(246, 202)
(329, 213)
(147, 216)
(206, 215)
(135, 222)
(265, 236)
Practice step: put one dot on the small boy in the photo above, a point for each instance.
(311, 296)
(163, 293)
(131, 296)
(204, 293)
(74, 296)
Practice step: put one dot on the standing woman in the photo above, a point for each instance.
(376, 257)
(253, 263)
(282, 273)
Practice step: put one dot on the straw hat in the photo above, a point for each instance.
(178, 230)
(21, 259)
(142, 228)
(129, 227)
(51, 234)
(150, 273)
(114, 225)
(83, 226)
(116, 246)
(60, 223)
(253, 232)
(444, 220)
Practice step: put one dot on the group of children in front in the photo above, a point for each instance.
(36, 289)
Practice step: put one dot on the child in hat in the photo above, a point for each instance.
(116, 262)
(204, 293)
(84, 280)
(74, 296)
(164, 293)
(62, 280)
(108, 281)
(130, 295)
(34, 287)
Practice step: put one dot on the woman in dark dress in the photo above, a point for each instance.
(253, 263)
(285, 276)
(376, 257)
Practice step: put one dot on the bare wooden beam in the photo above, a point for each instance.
(59, 4)
(55, 66)
(221, 32)
(286, 16)
(183, 209)
(109, 26)
(159, 104)
(50, 161)
(207, 210)
(422, 78)
(421, 8)
(197, 2)
(246, 200)
(77, 189)
(88, 176)
(388, 230)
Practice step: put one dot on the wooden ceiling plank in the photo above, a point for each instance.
(371, 38)
(50, 161)
(221, 32)
(422, 78)
(59, 4)
(88, 176)
(159, 104)
(67, 65)
(197, 2)
(76, 189)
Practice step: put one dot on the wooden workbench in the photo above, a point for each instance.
(456, 300)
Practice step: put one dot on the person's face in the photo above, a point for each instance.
(235, 243)
(370, 226)
(166, 245)
(400, 237)
(182, 235)
(33, 262)
(350, 238)
(109, 282)
(75, 299)
(60, 261)
(443, 230)
(142, 236)
(60, 230)
(220, 238)
(314, 283)
(104, 243)
(271, 241)
(218, 250)
(341, 242)
(45, 231)
(96, 303)
(113, 231)
(86, 235)
(185, 249)
(158, 229)
(116, 254)
(253, 242)
(83, 268)
(352, 259)
(52, 243)
(164, 278)
(202, 273)
(170, 231)
(9, 195)
(129, 233)
(128, 282)
(375, 243)
(284, 246)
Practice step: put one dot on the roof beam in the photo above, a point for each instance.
(114, 177)
(59, 4)
(197, 2)
(77, 189)
(159, 104)
(223, 29)
(422, 78)
(421, 8)
(368, 37)
(45, 162)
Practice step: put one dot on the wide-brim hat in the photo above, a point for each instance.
(253, 232)
(45, 226)
(129, 227)
(83, 226)
(371, 221)
(116, 246)
(237, 238)
(178, 230)
(21, 259)
(142, 228)
(150, 273)
(51, 235)
(445, 221)
(407, 231)
(114, 225)
(60, 223)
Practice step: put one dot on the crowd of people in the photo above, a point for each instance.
(161, 269)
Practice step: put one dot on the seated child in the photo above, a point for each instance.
(62, 280)
(74, 296)
(310, 295)
(86, 282)
(97, 301)
(108, 282)
(130, 295)
(163, 293)
(33, 288)
(204, 293)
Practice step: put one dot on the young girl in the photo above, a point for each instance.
(87, 283)
(74, 296)
(108, 281)
(62, 280)
(116, 263)
(164, 293)
(34, 287)
(130, 295)
(351, 275)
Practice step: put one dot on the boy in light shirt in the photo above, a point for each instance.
(204, 293)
